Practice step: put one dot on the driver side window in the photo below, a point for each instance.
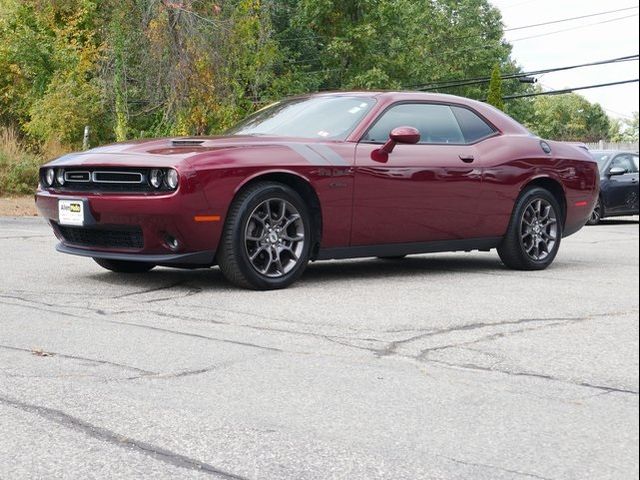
(625, 161)
(436, 123)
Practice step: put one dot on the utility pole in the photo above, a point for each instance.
(85, 138)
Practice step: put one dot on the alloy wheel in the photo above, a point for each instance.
(596, 214)
(274, 237)
(539, 229)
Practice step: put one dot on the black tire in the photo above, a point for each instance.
(233, 254)
(513, 250)
(123, 266)
(597, 214)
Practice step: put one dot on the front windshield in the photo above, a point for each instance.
(328, 117)
(602, 158)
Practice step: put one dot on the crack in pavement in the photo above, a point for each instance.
(23, 237)
(86, 359)
(41, 309)
(502, 469)
(197, 335)
(494, 336)
(158, 453)
(199, 371)
(392, 347)
(101, 313)
(149, 290)
(321, 336)
(542, 376)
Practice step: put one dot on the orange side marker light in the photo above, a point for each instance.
(581, 204)
(207, 218)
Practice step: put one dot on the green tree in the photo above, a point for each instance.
(569, 117)
(161, 67)
(624, 130)
(495, 89)
(49, 52)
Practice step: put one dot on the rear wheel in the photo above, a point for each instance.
(123, 266)
(535, 231)
(596, 215)
(267, 237)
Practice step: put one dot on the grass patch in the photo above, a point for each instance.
(18, 166)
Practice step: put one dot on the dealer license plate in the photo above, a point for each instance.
(71, 212)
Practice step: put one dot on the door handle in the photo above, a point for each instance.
(466, 158)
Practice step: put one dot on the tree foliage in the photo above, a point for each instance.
(569, 117)
(624, 130)
(134, 68)
(495, 89)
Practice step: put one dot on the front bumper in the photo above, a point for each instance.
(195, 259)
(157, 218)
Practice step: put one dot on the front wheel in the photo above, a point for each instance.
(535, 231)
(596, 215)
(123, 266)
(266, 241)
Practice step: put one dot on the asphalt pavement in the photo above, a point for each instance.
(444, 366)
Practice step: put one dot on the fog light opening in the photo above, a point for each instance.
(172, 242)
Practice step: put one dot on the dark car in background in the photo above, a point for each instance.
(618, 184)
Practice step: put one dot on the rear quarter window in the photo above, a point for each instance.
(473, 127)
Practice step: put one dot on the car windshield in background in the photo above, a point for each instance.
(331, 117)
(602, 158)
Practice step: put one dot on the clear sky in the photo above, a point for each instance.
(580, 45)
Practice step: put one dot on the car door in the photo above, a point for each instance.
(423, 192)
(621, 193)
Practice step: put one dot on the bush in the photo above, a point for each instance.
(18, 167)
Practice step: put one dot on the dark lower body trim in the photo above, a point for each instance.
(186, 260)
(396, 249)
(631, 213)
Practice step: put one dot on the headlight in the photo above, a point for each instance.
(60, 176)
(49, 176)
(172, 179)
(155, 178)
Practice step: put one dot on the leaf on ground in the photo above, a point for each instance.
(41, 353)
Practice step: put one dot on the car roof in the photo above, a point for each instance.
(611, 152)
(499, 119)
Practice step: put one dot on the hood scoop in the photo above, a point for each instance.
(186, 142)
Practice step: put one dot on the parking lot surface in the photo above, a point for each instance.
(438, 366)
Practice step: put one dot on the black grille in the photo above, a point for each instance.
(108, 237)
(108, 187)
(118, 177)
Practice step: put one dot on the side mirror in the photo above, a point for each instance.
(406, 135)
(617, 171)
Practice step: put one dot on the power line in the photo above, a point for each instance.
(569, 90)
(479, 80)
(570, 19)
(482, 47)
(577, 27)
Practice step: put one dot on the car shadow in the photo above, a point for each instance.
(618, 221)
(373, 268)
(317, 272)
(161, 278)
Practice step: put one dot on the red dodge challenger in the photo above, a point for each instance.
(326, 176)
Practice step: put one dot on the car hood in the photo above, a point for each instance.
(168, 152)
